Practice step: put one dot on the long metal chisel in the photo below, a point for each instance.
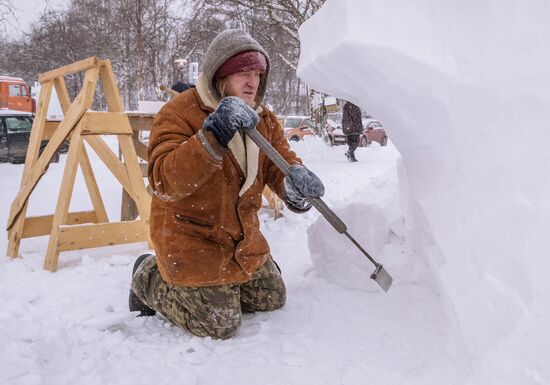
(380, 275)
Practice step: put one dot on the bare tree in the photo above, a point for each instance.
(139, 44)
(6, 12)
(144, 38)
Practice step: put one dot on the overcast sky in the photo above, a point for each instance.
(27, 12)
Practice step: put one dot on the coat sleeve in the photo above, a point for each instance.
(274, 176)
(179, 164)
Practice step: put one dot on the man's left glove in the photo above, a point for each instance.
(299, 184)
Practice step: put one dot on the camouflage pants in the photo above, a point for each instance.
(214, 311)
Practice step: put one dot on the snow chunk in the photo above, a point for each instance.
(336, 258)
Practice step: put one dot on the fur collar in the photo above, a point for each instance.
(246, 152)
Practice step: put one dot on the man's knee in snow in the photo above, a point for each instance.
(220, 325)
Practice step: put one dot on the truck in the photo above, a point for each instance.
(15, 95)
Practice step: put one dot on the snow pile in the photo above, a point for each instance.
(373, 210)
(332, 254)
(463, 93)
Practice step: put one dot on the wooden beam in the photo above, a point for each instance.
(141, 150)
(128, 208)
(273, 201)
(110, 87)
(138, 192)
(62, 94)
(106, 123)
(15, 234)
(93, 188)
(64, 198)
(141, 121)
(42, 225)
(111, 161)
(37, 130)
(17, 223)
(49, 128)
(69, 69)
(99, 235)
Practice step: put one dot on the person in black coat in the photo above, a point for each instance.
(180, 86)
(352, 126)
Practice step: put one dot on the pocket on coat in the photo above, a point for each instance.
(192, 221)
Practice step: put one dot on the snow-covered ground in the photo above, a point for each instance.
(338, 327)
(463, 92)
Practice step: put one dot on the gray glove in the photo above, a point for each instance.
(231, 114)
(299, 184)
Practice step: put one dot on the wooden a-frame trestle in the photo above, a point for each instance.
(87, 229)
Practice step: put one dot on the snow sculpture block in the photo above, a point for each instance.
(464, 93)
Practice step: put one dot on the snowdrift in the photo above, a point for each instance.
(463, 93)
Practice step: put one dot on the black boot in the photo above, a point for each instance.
(351, 156)
(134, 303)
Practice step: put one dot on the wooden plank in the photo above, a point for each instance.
(141, 149)
(17, 223)
(274, 202)
(110, 159)
(106, 123)
(15, 234)
(99, 235)
(70, 69)
(93, 188)
(64, 198)
(42, 225)
(128, 208)
(49, 128)
(77, 109)
(138, 192)
(110, 87)
(141, 121)
(62, 94)
(37, 131)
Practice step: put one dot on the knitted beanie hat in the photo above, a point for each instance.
(242, 62)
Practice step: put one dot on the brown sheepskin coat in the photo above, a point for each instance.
(204, 222)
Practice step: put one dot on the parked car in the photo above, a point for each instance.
(15, 131)
(373, 132)
(334, 129)
(297, 127)
(335, 134)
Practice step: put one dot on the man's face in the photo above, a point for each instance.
(244, 85)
